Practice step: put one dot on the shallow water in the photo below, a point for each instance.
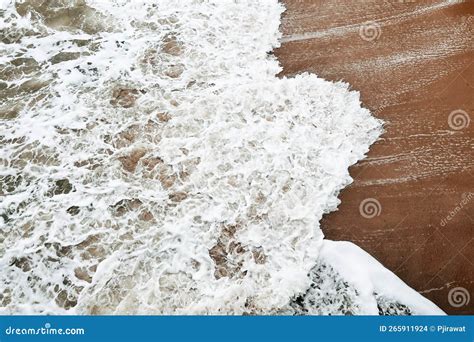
(153, 163)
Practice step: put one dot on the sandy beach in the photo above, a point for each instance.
(413, 64)
(155, 161)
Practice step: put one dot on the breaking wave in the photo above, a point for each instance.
(153, 163)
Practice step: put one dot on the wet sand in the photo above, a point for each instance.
(413, 64)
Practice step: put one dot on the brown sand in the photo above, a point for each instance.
(413, 72)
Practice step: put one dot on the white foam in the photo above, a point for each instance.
(163, 167)
(372, 280)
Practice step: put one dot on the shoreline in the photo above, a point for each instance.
(412, 66)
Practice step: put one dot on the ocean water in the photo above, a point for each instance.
(153, 163)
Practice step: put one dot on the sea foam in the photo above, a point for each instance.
(153, 163)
